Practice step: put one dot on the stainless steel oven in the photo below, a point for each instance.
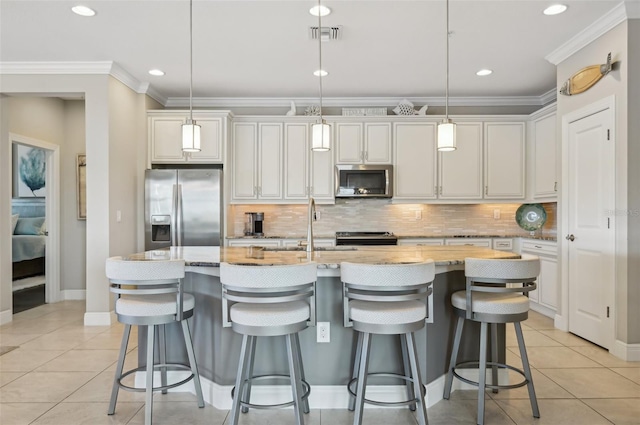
(366, 238)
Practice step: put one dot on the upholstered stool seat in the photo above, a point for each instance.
(150, 293)
(386, 299)
(494, 294)
(269, 301)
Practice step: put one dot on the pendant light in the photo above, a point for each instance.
(190, 130)
(320, 131)
(447, 128)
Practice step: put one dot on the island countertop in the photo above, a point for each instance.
(328, 258)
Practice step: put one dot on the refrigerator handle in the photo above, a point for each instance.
(174, 212)
(179, 215)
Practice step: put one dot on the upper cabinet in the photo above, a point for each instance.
(363, 143)
(165, 136)
(504, 156)
(461, 170)
(543, 150)
(415, 161)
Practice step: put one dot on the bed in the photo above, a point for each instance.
(28, 238)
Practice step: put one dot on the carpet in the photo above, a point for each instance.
(25, 299)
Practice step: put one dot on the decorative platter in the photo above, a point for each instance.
(531, 217)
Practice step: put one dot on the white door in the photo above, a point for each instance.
(590, 230)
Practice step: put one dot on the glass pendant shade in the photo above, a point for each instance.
(190, 136)
(320, 136)
(446, 136)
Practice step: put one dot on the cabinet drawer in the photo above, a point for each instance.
(422, 242)
(540, 248)
(503, 244)
(484, 243)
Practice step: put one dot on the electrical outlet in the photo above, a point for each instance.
(317, 215)
(496, 214)
(418, 214)
(323, 331)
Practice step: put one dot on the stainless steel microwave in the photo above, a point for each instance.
(364, 181)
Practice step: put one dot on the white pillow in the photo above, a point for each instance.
(43, 229)
(14, 221)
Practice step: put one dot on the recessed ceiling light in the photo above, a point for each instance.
(156, 72)
(83, 11)
(320, 73)
(555, 9)
(320, 10)
(484, 72)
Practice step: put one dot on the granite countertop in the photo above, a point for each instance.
(431, 236)
(212, 256)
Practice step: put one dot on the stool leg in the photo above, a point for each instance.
(417, 379)
(527, 370)
(149, 388)
(188, 342)
(363, 369)
(296, 385)
(454, 357)
(246, 394)
(482, 371)
(305, 401)
(162, 346)
(356, 367)
(242, 370)
(119, 367)
(494, 356)
(407, 371)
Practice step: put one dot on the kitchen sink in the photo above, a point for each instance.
(302, 248)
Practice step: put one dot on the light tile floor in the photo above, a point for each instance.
(61, 374)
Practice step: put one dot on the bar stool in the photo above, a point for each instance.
(489, 299)
(150, 293)
(386, 299)
(269, 301)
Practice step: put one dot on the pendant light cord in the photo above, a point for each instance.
(191, 61)
(446, 96)
(320, 56)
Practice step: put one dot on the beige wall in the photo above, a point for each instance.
(616, 83)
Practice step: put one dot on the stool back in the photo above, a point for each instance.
(143, 278)
(484, 275)
(385, 282)
(268, 285)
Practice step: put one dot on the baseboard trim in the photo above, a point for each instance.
(561, 322)
(99, 318)
(6, 316)
(74, 294)
(321, 397)
(627, 352)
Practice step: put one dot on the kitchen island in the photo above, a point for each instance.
(327, 365)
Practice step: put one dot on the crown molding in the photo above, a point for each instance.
(606, 23)
(549, 97)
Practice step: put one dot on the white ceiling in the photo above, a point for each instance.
(261, 49)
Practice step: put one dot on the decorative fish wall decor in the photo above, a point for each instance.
(584, 79)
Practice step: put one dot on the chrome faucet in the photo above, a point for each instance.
(312, 217)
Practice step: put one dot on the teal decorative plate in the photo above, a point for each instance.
(531, 217)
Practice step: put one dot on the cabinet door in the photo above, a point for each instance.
(480, 242)
(254, 242)
(421, 242)
(461, 170)
(210, 140)
(548, 282)
(270, 161)
(377, 143)
(414, 161)
(296, 161)
(544, 162)
(165, 138)
(504, 160)
(245, 161)
(349, 149)
(322, 177)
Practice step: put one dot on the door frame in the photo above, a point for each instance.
(52, 212)
(562, 318)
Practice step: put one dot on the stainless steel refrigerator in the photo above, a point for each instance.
(183, 207)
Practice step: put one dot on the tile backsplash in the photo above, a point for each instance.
(382, 215)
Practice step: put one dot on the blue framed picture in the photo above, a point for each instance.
(29, 172)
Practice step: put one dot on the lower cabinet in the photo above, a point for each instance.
(421, 241)
(545, 298)
(254, 242)
(481, 242)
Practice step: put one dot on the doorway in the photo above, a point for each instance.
(589, 196)
(35, 210)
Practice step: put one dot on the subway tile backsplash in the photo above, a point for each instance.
(382, 215)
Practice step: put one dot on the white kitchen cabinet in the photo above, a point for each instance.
(421, 241)
(254, 242)
(322, 177)
(257, 161)
(363, 143)
(461, 170)
(502, 244)
(543, 134)
(414, 170)
(504, 159)
(479, 242)
(320, 242)
(545, 298)
(296, 161)
(165, 136)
